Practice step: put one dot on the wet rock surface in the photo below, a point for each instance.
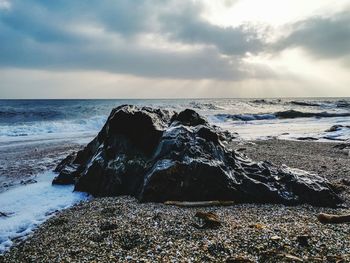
(158, 155)
(337, 127)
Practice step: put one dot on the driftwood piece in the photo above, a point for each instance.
(333, 219)
(199, 204)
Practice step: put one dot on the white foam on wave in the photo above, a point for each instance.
(30, 205)
(52, 127)
(289, 129)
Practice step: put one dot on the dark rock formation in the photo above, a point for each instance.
(337, 127)
(343, 146)
(158, 156)
(292, 114)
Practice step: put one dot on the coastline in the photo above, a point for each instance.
(22, 161)
(121, 229)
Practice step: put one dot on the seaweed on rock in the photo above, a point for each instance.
(156, 156)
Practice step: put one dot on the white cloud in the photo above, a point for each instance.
(271, 13)
(5, 4)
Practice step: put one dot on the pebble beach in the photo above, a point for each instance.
(121, 229)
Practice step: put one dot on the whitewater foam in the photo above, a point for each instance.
(289, 129)
(53, 127)
(30, 205)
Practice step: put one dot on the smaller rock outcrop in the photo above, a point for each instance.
(337, 127)
(207, 220)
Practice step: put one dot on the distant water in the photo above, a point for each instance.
(252, 118)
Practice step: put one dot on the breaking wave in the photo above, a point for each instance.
(93, 124)
(204, 106)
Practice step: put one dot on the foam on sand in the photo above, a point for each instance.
(30, 205)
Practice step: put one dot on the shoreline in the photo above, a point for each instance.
(22, 161)
(91, 230)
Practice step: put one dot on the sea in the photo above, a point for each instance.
(32, 123)
(252, 119)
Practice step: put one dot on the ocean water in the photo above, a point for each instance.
(24, 120)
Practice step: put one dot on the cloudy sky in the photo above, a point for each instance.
(174, 48)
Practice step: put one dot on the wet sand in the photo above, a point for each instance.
(122, 230)
(21, 161)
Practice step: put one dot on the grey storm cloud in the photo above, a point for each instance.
(186, 26)
(50, 35)
(230, 41)
(39, 34)
(323, 37)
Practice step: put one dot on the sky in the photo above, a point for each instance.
(174, 48)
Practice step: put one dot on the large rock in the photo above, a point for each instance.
(156, 155)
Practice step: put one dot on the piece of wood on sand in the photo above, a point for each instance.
(333, 219)
(200, 203)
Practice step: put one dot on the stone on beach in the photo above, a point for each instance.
(207, 220)
(157, 156)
